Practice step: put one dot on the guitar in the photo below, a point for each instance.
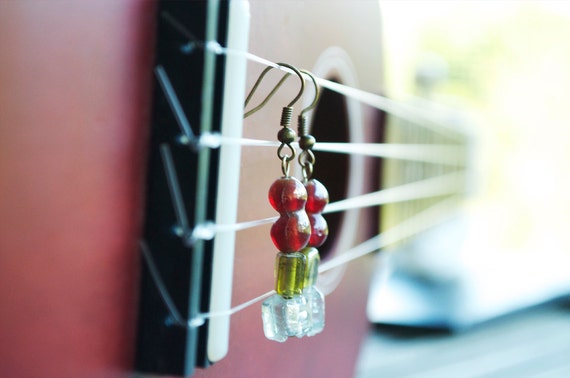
(70, 230)
(229, 340)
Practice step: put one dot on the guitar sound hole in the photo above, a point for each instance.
(330, 124)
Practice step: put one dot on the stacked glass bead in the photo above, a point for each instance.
(298, 307)
(317, 199)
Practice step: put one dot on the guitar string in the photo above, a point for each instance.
(174, 188)
(444, 154)
(413, 225)
(426, 153)
(421, 117)
(430, 187)
(450, 183)
(431, 153)
(174, 103)
(177, 318)
(402, 110)
(426, 118)
(207, 230)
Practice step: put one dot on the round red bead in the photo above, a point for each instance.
(317, 196)
(291, 232)
(287, 194)
(319, 230)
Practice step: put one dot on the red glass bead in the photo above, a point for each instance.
(287, 194)
(291, 232)
(317, 196)
(319, 230)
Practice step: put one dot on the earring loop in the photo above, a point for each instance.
(307, 141)
(268, 97)
(317, 92)
(274, 90)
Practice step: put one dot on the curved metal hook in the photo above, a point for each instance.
(274, 90)
(317, 92)
(302, 89)
(307, 141)
(264, 102)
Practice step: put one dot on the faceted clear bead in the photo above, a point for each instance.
(290, 274)
(315, 309)
(283, 318)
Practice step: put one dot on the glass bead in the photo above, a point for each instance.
(315, 310)
(274, 324)
(291, 232)
(317, 196)
(287, 194)
(283, 318)
(319, 230)
(290, 274)
(312, 266)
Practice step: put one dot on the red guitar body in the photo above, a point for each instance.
(74, 110)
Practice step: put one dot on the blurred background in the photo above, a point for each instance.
(504, 66)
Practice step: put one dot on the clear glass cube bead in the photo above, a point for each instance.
(315, 309)
(283, 318)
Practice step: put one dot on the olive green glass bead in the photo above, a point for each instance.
(290, 274)
(312, 268)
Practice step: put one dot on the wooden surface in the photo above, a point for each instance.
(530, 343)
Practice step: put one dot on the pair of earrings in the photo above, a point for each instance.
(298, 307)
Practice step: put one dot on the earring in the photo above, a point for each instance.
(285, 314)
(298, 308)
(273, 91)
(317, 199)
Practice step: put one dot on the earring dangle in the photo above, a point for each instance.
(285, 313)
(317, 199)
